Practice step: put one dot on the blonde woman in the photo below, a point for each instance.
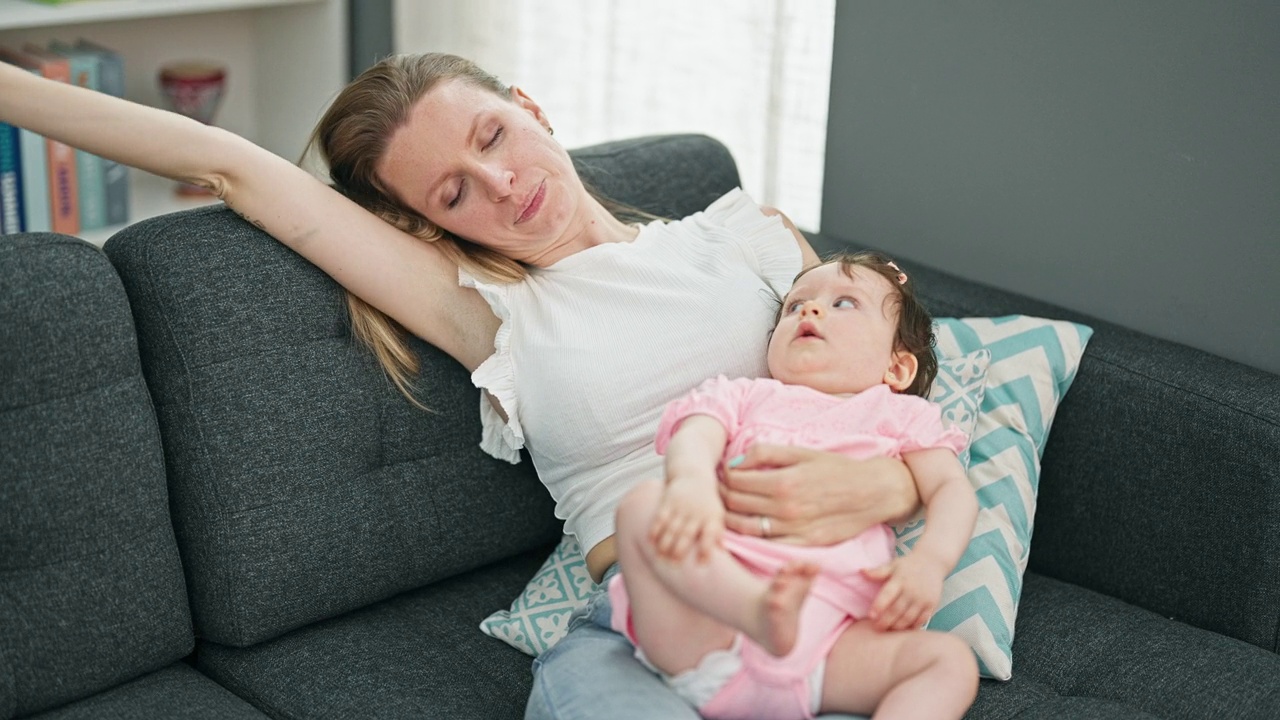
(459, 218)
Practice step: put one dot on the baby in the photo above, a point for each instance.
(747, 627)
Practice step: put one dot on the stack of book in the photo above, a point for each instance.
(44, 184)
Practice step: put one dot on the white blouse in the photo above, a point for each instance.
(591, 349)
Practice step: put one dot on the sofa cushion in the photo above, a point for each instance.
(416, 655)
(669, 176)
(1027, 699)
(91, 588)
(176, 692)
(303, 484)
(1081, 643)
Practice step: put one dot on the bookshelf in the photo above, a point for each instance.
(285, 60)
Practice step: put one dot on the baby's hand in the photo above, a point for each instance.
(910, 594)
(689, 515)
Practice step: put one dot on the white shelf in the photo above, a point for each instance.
(285, 61)
(149, 195)
(21, 14)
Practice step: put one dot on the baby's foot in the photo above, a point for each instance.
(780, 607)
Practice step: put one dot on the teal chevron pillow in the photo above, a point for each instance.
(1033, 362)
(539, 617)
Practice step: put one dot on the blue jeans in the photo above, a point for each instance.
(593, 673)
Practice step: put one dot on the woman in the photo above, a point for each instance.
(458, 215)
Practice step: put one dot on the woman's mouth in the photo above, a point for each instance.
(534, 204)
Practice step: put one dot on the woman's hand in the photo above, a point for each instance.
(811, 497)
(689, 517)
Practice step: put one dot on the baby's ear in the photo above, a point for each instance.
(902, 370)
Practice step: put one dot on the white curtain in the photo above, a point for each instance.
(754, 74)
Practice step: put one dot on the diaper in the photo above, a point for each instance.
(722, 687)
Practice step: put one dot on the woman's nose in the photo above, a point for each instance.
(497, 181)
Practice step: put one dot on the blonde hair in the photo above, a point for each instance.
(352, 138)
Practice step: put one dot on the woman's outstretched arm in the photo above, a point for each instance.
(404, 277)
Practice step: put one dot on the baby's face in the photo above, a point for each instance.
(836, 332)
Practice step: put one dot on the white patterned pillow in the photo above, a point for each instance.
(959, 387)
(539, 617)
(1033, 362)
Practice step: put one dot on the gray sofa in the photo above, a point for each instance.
(214, 505)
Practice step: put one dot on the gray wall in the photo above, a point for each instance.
(370, 27)
(1121, 157)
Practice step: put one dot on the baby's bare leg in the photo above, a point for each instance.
(680, 611)
(906, 674)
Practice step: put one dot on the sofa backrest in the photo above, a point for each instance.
(91, 587)
(303, 485)
(1160, 481)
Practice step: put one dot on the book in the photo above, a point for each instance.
(64, 201)
(10, 185)
(34, 163)
(34, 159)
(90, 177)
(115, 175)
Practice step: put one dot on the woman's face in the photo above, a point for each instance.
(485, 168)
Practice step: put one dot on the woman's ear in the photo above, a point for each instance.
(521, 98)
(902, 370)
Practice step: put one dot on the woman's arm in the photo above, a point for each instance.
(812, 497)
(402, 276)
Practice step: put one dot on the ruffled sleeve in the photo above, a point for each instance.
(500, 438)
(922, 427)
(719, 397)
(770, 243)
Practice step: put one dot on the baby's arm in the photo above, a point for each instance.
(691, 514)
(914, 582)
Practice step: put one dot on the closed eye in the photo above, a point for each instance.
(462, 185)
(457, 197)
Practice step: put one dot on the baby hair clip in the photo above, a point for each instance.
(902, 277)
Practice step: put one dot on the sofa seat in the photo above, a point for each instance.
(419, 654)
(1078, 653)
(175, 692)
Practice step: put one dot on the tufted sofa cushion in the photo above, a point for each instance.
(303, 484)
(91, 589)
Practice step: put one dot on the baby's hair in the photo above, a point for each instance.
(915, 326)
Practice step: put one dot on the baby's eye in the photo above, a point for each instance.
(845, 302)
(794, 306)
